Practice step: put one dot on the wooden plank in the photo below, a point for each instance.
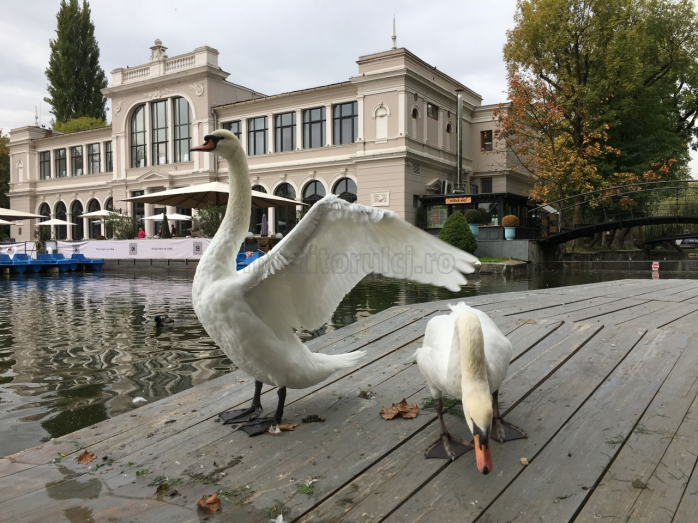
(642, 310)
(567, 308)
(380, 490)
(8, 467)
(676, 294)
(687, 324)
(558, 481)
(599, 313)
(648, 478)
(530, 334)
(667, 314)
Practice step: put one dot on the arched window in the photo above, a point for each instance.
(345, 189)
(45, 211)
(76, 218)
(260, 215)
(415, 113)
(138, 144)
(448, 128)
(285, 217)
(109, 204)
(61, 214)
(95, 226)
(313, 192)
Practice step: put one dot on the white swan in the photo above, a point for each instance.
(251, 314)
(466, 356)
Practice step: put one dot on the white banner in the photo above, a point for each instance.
(174, 249)
(22, 248)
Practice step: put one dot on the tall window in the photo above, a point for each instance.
(346, 123)
(93, 158)
(158, 137)
(138, 145)
(76, 218)
(235, 128)
(346, 189)
(108, 158)
(182, 130)
(486, 140)
(257, 136)
(285, 217)
(95, 226)
(138, 208)
(313, 128)
(61, 214)
(432, 111)
(486, 185)
(313, 192)
(45, 165)
(76, 161)
(60, 163)
(285, 126)
(259, 216)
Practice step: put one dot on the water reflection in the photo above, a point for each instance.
(76, 349)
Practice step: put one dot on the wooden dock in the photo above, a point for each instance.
(604, 380)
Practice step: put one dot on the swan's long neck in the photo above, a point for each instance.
(472, 347)
(219, 258)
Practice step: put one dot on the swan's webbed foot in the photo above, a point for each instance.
(503, 431)
(241, 416)
(258, 426)
(447, 447)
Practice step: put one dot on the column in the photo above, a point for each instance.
(243, 134)
(68, 162)
(360, 120)
(425, 118)
(401, 131)
(328, 124)
(441, 122)
(53, 227)
(148, 138)
(171, 210)
(69, 228)
(271, 221)
(103, 157)
(270, 133)
(149, 224)
(170, 132)
(196, 140)
(299, 129)
(103, 228)
(86, 228)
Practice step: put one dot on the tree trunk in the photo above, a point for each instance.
(640, 238)
(596, 239)
(608, 240)
(619, 238)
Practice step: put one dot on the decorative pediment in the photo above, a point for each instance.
(155, 175)
(434, 185)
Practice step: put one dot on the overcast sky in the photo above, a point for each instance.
(270, 46)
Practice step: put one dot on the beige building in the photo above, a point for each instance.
(382, 138)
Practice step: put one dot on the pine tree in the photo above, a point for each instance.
(74, 74)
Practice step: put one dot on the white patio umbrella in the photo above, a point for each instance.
(174, 217)
(215, 193)
(4, 222)
(100, 214)
(11, 214)
(56, 221)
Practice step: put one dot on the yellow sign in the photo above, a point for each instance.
(460, 199)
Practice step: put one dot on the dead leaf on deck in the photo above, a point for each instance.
(402, 409)
(86, 457)
(524, 461)
(210, 504)
(287, 426)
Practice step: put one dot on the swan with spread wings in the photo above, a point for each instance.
(252, 314)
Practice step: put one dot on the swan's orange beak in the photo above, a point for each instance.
(483, 455)
(208, 145)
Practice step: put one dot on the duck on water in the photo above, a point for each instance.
(251, 314)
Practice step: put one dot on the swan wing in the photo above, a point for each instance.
(302, 280)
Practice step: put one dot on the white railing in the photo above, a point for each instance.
(180, 63)
(136, 74)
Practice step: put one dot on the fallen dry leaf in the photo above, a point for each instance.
(86, 457)
(210, 504)
(524, 461)
(287, 426)
(402, 409)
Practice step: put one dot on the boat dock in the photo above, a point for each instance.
(604, 380)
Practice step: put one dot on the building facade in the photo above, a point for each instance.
(382, 138)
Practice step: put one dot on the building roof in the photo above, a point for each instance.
(280, 95)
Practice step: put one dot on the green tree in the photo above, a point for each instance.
(84, 123)
(210, 219)
(75, 78)
(604, 92)
(165, 227)
(456, 232)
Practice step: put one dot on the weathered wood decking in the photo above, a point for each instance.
(604, 380)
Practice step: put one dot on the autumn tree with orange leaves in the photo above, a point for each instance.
(602, 93)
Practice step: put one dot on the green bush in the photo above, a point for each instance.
(210, 219)
(510, 221)
(473, 216)
(84, 123)
(457, 233)
(122, 227)
(166, 232)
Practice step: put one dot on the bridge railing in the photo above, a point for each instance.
(617, 204)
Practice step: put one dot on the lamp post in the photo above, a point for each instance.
(459, 134)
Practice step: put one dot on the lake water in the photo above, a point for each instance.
(76, 349)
